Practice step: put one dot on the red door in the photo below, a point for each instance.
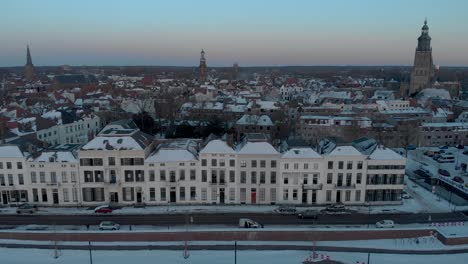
(253, 196)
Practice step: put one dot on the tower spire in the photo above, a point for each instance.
(203, 68)
(28, 56)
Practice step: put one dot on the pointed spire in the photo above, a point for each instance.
(28, 56)
(425, 21)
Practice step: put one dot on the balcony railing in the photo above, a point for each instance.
(313, 187)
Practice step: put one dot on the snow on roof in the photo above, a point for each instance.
(264, 104)
(171, 155)
(52, 115)
(10, 151)
(113, 143)
(217, 146)
(257, 148)
(262, 120)
(304, 153)
(56, 156)
(345, 151)
(381, 153)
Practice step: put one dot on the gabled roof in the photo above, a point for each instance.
(257, 148)
(10, 151)
(300, 153)
(381, 153)
(171, 155)
(217, 146)
(345, 151)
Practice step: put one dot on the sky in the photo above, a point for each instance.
(249, 32)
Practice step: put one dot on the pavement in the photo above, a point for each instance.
(228, 219)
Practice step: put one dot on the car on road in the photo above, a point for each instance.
(308, 214)
(249, 223)
(458, 179)
(422, 173)
(26, 209)
(286, 210)
(436, 156)
(406, 195)
(385, 224)
(444, 172)
(446, 158)
(460, 146)
(103, 209)
(108, 225)
(339, 207)
(411, 147)
(443, 147)
(465, 152)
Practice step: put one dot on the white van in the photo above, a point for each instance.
(249, 223)
(446, 159)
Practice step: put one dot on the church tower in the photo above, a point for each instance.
(29, 67)
(423, 69)
(203, 68)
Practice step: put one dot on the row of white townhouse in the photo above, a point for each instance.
(125, 166)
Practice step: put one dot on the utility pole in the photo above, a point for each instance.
(235, 252)
(90, 253)
(368, 258)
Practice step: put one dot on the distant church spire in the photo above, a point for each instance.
(203, 68)
(29, 67)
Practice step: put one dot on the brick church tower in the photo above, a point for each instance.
(29, 67)
(423, 69)
(203, 68)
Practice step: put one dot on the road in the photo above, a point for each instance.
(227, 219)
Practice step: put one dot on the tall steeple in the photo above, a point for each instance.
(423, 68)
(203, 68)
(29, 67)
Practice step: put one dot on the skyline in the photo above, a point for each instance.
(299, 33)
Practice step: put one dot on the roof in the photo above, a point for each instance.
(345, 151)
(382, 153)
(171, 155)
(262, 120)
(257, 148)
(304, 153)
(56, 156)
(217, 146)
(10, 151)
(136, 141)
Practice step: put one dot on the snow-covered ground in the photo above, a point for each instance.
(39, 256)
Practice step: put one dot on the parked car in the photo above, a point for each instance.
(286, 210)
(430, 153)
(443, 147)
(444, 172)
(26, 209)
(335, 207)
(458, 179)
(422, 173)
(411, 147)
(249, 223)
(385, 224)
(108, 225)
(465, 152)
(103, 209)
(436, 156)
(406, 195)
(308, 214)
(446, 158)
(460, 146)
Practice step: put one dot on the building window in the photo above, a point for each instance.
(152, 192)
(328, 195)
(347, 195)
(73, 176)
(128, 193)
(213, 162)
(296, 166)
(254, 163)
(152, 175)
(162, 194)
(232, 163)
(19, 165)
(329, 178)
(33, 177)
(172, 176)
(243, 177)
(182, 175)
(8, 165)
(285, 194)
(306, 166)
(139, 175)
(305, 180)
(349, 178)
(204, 175)
(349, 165)
(285, 180)
(243, 195)
(330, 165)
(111, 161)
(65, 195)
(193, 193)
(315, 177)
(273, 177)
(358, 178)
(232, 176)
(20, 179)
(262, 177)
(273, 163)
(243, 163)
(203, 162)
(129, 176)
(42, 176)
(358, 195)
(286, 166)
(222, 163)
(232, 194)
(359, 165)
(262, 164)
(182, 193)
(340, 165)
(261, 194)
(64, 177)
(273, 195)
(204, 194)
(162, 175)
(253, 177)
(193, 175)
(214, 194)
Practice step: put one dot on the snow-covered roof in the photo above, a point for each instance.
(257, 148)
(171, 155)
(113, 143)
(10, 151)
(298, 153)
(262, 120)
(217, 146)
(56, 156)
(381, 153)
(345, 151)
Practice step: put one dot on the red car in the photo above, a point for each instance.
(103, 209)
(458, 179)
(444, 173)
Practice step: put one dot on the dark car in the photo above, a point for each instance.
(443, 147)
(444, 173)
(308, 214)
(286, 210)
(460, 147)
(26, 208)
(103, 209)
(411, 147)
(335, 208)
(436, 157)
(465, 152)
(458, 179)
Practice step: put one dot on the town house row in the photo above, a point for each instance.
(124, 166)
